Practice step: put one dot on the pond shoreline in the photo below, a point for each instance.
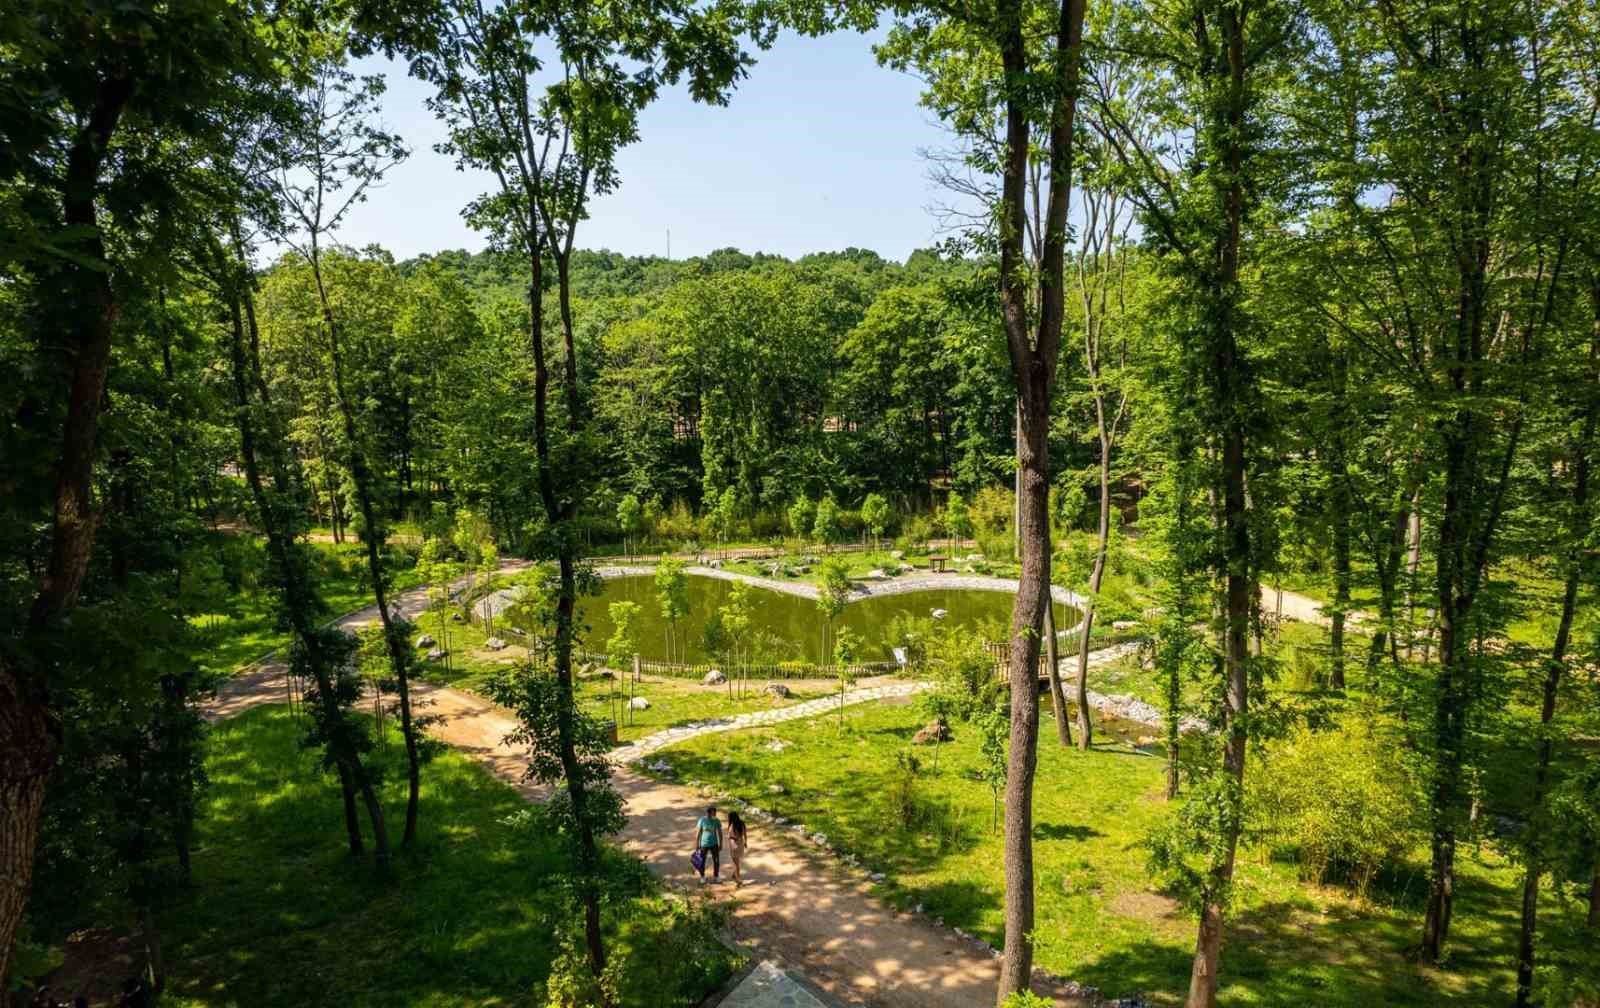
(858, 589)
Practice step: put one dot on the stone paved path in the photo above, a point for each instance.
(859, 589)
(768, 986)
(756, 719)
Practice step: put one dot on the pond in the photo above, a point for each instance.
(793, 625)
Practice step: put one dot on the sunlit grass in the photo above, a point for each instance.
(1099, 919)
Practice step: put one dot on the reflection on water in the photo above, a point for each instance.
(793, 625)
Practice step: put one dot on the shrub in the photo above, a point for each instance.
(992, 509)
(915, 531)
(1337, 801)
(903, 789)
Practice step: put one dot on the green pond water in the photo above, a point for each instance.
(793, 625)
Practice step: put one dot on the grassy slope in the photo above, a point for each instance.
(279, 916)
(1099, 921)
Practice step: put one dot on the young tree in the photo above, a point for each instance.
(1101, 273)
(875, 515)
(630, 515)
(825, 527)
(672, 595)
(833, 594)
(333, 155)
(957, 519)
(844, 659)
(622, 646)
(802, 515)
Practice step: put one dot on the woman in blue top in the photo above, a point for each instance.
(708, 841)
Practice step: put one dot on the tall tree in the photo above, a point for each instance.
(78, 79)
(332, 156)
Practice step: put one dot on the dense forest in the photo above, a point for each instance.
(1261, 296)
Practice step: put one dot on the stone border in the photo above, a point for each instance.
(859, 589)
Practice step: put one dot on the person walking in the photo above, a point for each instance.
(708, 844)
(738, 837)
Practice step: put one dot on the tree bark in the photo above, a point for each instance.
(1058, 697)
(1033, 366)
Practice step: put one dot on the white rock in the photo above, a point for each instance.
(876, 876)
(1124, 624)
(436, 654)
(714, 678)
(776, 745)
(776, 789)
(426, 641)
(495, 644)
(939, 613)
(639, 703)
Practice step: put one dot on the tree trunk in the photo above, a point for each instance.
(1058, 697)
(1096, 577)
(1231, 396)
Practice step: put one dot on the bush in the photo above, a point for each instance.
(1337, 801)
(903, 789)
(991, 511)
(915, 531)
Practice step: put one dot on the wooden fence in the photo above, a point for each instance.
(681, 670)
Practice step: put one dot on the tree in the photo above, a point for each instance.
(833, 594)
(672, 595)
(89, 89)
(1101, 271)
(630, 516)
(957, 519)
(334, 154)
(825, 528)
(623, 645)
(875, 514)
(844, 659)
(550, 146)
(802, 515)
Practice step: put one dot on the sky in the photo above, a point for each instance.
(817, 151)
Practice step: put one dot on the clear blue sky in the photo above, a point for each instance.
(816, 151)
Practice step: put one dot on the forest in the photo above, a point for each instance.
(1262, 378)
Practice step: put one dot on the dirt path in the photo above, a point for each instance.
(1302, 608)
(816, 916)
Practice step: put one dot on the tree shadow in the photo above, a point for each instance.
(1064, 831)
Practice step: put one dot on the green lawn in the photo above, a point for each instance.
(1099, 920)
(242, 625)
(278, 915)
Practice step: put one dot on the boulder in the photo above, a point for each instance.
(939, 613)
(898, 554)
(715, 565)
(777, 789)
(639, 703)
(495, 644)
(776, 745)
(778, 689)
(933, 731)
(436, 654)
(877, 574)
(455, 617)
(518, 631)
(426, 641)
(1124, 624)
(714, 678)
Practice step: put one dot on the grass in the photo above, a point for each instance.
(1099, 920)
(672, 701)
(279, 915)
(243, 624)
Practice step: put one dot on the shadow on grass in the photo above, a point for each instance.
(279, 914)
(1064, 831)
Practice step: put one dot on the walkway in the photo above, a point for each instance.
(759, 719)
